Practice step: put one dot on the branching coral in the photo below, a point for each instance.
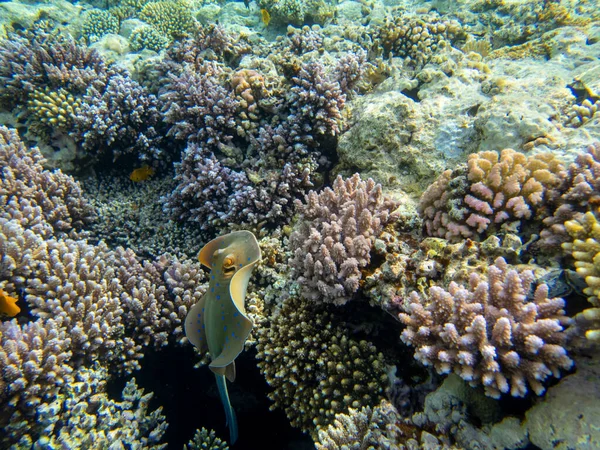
(119, 116)
(490, 333)
(172, 18)
(97, 23)
(495, 191)
(581, 194)
(197, 106)
(39, 199)
(335, 236)
(585, 250)
(315, 369)
(206, 440)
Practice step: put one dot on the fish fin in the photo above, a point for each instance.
(194, 326)
(242, 326)
(229, 412)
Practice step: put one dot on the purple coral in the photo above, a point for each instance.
(316, 100)
(490, 333)
(208, 192)
(198, 108)
(118, 116)
(35, 196)
(333, 242)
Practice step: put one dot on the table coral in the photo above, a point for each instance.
(335, 235)
(490, 333)
(315, 369)
(493, 191)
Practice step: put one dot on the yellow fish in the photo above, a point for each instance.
(141, 174)
(265, 16)
(8, 305)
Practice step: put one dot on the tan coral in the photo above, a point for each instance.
(490, 333)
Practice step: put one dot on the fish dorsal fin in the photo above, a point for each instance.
(195, 326)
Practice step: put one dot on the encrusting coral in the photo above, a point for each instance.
(495, 190)
(315, 369)
(335, 235)
(490, 333)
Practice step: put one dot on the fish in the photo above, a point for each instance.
(8, 305)
(218, 323)
(265, 16)
(141, 174)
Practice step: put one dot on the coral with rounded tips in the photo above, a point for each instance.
(97, 23)
(490, 333)
(417, 38)
(334, 238)
(148, 37)
(585, 250)
(172, 18)
(53, 108)
(494, 191)
(581, 194)
(315, 369)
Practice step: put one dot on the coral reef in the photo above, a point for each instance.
(315, 369)
(172, 18)
(490, 333)
(148, 37)
(494, 192)
(334, 238)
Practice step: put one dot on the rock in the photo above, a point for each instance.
(568, 416)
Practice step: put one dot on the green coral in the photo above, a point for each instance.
(171, 18)
(298, 12)
(206, 440)
(99, 23)
(315, 368)
(148, 37)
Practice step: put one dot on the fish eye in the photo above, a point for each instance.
(229, 264)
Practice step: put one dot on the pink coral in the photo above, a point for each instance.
(335, 236)
(490, 333)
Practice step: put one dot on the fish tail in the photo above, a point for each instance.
(229, 412)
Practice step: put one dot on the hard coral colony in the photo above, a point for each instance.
(395, 206)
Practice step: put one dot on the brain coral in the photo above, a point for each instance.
(490, 333)
(316, 370)
(333, 241)
(493, 192)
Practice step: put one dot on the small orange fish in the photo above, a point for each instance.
(265, 16)
(141, 174)
(8, 305)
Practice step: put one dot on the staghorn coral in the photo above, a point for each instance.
(97, 23)
(206, 440)
(494, 192)
(490, 333)
(334, 238)
(47, 202)
(585, 250)
(172, 18)
(315, 369)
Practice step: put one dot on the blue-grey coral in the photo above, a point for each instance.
(490, 333)
(335, 235)
(118, 116)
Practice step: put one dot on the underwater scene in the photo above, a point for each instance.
(300, 224)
